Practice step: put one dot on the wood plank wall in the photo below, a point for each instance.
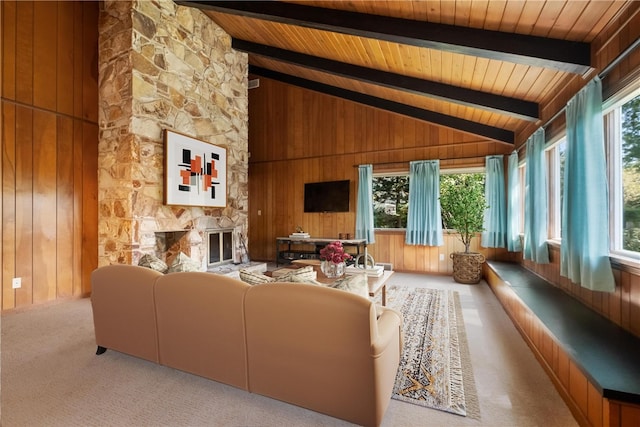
(298, 136)
(49, 94)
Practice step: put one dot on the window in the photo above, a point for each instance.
(391, 196)
(522, 174)
(390, 201)
(449, 180)
(555, 155)
(622, 129)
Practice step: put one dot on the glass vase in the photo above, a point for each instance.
(332, 270)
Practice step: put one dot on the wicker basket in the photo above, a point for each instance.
(467, 267)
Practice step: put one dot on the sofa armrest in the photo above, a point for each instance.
(389, 324)
(124, 313)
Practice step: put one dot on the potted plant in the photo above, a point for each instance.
(462, 203)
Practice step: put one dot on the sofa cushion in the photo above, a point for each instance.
(291, 327)
(201, 325)
(302, 279)
(354, 283)
(254, 278)
(153, 262)
(281, 272)
(304, 274)
(183, 263)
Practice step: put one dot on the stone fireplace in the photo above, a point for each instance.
(164, 66)
(212, 247)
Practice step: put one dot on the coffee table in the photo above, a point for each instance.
(376, 284)
(379, 284)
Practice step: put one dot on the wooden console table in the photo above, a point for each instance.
(292, 248)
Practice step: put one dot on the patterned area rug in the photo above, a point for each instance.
(435, 369)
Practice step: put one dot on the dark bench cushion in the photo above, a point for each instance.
(605, 352)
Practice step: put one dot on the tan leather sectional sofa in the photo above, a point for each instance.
(319, 348)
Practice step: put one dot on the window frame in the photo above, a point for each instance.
(522, 184)
(386, 174)
(612, 122)
(554, 183)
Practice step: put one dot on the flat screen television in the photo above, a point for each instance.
(328, 196)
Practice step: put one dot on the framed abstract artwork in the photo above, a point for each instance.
(195, 172)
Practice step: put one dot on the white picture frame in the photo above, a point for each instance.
(195, 172)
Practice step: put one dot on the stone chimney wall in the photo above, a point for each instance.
(164, 66)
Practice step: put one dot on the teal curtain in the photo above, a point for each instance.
(364, 210)
(495, 218)
(424, 221)
(513, 205)
(536, 201)
(584, 254)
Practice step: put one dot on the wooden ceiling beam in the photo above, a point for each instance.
(471, 98)
(564, 55)
(495, 133)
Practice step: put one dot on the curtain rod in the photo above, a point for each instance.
(619, 58)
(403, 163)
(602, 74)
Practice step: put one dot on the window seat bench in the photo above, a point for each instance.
(594, 363)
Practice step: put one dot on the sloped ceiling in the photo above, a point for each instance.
(484, 67)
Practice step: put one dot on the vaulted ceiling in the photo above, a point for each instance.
(489, 68)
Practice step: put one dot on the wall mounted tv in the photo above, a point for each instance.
(328, 196)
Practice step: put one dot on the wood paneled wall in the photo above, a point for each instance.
(298, 136)
(49, 149)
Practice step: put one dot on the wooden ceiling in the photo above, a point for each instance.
(490, 68)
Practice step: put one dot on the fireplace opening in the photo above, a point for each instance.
(220, 244)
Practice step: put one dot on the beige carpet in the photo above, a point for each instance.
(435, 369)
(52, 377)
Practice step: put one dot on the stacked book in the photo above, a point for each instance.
(299, 235)
(375, 271)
